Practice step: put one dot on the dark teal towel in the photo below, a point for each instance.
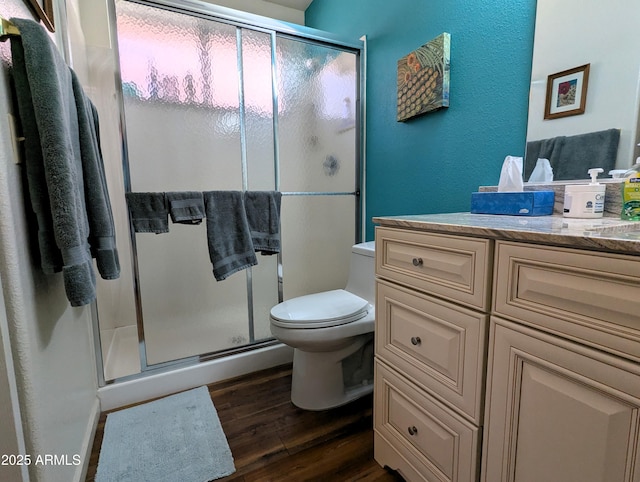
(58, 176)
(102, 233)
(148, 211)
(263, 216)
(228, 236)
(571, 156)
(185, 207)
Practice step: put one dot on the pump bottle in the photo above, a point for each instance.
(585, 200)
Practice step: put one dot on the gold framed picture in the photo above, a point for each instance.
(567, 92)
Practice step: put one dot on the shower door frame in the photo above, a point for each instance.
(275, 29)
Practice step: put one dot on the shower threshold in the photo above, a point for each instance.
(179, 377)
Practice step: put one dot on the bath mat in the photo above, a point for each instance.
(176, 438)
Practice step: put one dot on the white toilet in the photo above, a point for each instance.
(332, 336)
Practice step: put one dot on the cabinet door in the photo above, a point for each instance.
(558, 411)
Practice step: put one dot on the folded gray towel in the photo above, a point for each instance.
(186, 207)
(148, 211)
(54, 169)
(228, 236)
(263, 216)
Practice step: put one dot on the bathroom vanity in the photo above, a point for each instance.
(507, 348)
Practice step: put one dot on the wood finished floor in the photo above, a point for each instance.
(272, 440)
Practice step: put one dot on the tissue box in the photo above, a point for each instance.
(526, 203)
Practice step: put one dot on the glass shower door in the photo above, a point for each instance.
(182, 102)
(209, 105)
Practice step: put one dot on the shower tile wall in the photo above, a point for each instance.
(185, 130)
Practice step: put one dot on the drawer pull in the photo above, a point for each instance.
(412, 430)
(417, 261)
(415, 340)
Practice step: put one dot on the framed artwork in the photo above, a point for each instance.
(567, 92)
(44, 10)
(423, 79)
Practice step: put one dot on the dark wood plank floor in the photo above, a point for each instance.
(272, 440)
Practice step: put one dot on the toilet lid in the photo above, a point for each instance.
(320, 310)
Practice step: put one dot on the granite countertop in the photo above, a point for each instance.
(608, 234)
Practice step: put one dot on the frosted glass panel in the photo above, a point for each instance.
(186, 311)
(317, 235)
(181, 94)
(180, 86)
(317, 88)
(258, 101)
(265, 294)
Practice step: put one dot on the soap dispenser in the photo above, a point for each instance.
(585, 200)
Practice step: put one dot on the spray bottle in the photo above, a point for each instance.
(631, 193)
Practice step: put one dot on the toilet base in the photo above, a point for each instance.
(318, 378)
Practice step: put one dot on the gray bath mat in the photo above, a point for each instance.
(176, 438)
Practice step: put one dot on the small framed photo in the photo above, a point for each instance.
(567, 92)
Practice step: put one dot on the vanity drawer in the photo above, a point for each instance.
(418, 436)
(591, 297)
(450, 266)
(438, 345)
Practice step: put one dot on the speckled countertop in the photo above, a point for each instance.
(604, 234)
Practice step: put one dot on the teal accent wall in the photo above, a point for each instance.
(432, 163)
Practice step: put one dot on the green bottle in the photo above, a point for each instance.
(631, 194)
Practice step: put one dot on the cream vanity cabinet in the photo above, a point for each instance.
(432, 300)
(563, 385)
(554, 331)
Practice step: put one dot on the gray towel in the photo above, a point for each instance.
(263, 216)
(148, 212)
(186, 207)
(228, 236)
(102, 233)
(49, 119)
(571, 156)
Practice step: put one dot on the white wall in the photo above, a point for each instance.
(606, 35)
(11, 436)
(116, 305)
(266, 9)
(51, 344)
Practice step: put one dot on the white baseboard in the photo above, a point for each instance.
(87, 442)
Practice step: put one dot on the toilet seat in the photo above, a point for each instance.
(320, 310)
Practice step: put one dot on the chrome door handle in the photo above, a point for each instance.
(417, 262)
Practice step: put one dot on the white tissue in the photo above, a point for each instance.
(543, 172)
(511, 175)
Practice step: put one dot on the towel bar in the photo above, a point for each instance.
(7, 29)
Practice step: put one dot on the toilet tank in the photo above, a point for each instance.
(361, 280)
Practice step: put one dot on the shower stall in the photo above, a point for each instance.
(210, 99)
